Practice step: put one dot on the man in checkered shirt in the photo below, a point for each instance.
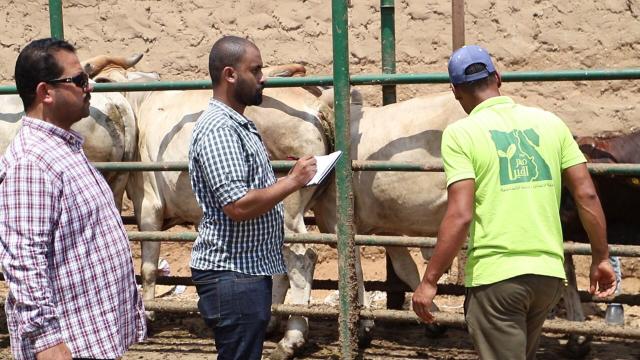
(239, 246)
(63, 248)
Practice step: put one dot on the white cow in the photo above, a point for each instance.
(395, 203)
(405, 203)
(292, 122)
(109, 132)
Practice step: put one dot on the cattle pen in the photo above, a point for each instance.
(349, 312)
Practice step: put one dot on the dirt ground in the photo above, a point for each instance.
(184, 336)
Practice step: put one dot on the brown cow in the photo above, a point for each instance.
(616, 194)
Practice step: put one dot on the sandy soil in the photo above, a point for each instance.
(176, 36)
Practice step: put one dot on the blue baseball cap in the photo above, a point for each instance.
(468, 55)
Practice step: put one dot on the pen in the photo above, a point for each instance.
(292, 158)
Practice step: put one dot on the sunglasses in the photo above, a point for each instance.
(81, 80)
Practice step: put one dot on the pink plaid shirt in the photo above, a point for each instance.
(64, 250)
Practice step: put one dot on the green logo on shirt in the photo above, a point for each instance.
(519, 159)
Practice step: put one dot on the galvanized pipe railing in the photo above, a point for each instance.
(55, 19)
(401, 287)
(347, 280)
(372, 79)
(388, 47)
(455, 320)
(356, 165)
(556, 326)
(388, 57)
(369, 240)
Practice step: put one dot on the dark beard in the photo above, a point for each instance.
(246, 95)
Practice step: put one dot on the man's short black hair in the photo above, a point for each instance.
(227, 51)
(36, 63)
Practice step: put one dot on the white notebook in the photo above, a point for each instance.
(325, 164)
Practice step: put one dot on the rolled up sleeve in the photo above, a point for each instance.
(28, 215)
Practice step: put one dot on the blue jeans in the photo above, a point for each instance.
(237, 307)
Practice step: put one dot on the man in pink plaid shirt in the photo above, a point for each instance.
(63, 248)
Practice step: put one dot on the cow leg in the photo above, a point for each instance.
(149, 268)
(407, 271)
(578, 345)
(404, 266)
(301, 263)
(150, 219)
(117, 182)
(278, 294)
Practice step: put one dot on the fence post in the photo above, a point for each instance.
(347, 282)
(55, 19)
(457, 23)
(388, 42)
(395, 300)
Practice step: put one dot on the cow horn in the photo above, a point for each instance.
(95, 65)
(288, 70)
(124, 62)
(133, 59)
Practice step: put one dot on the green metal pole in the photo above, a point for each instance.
(356, 165)
(55, 19)
(347, 282)
(388, 41)
(395, 300)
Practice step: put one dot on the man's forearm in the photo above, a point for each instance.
(579, 183)
(259, 201)
(593, 220)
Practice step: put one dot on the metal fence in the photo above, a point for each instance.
(349, 313)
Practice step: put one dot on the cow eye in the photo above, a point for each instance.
(102, 80)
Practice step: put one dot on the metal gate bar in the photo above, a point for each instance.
(369, 240)
(449, 319)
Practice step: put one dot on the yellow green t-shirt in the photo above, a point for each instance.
(516, 155)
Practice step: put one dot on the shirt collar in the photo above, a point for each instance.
(235, 116)
(496, 100)
(71, 137)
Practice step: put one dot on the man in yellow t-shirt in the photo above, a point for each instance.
(505, 165)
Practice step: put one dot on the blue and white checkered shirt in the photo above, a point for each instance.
(227, 159)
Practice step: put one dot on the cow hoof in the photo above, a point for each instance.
(578, 346)
(280, 353)
(364, 337)
(434, 331)
(150, 317)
